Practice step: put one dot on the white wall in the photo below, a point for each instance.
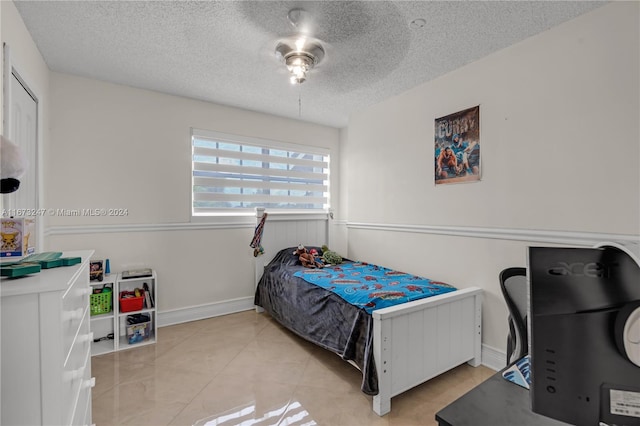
(560, 149)
(25, 56)
(26, 59)
(118, 147)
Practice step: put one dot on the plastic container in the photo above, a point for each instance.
(137, 333)
(130, 304)
(101, 303)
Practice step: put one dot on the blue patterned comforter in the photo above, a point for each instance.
(372, 287)
(295, 297)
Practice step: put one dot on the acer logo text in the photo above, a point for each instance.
(579, 269)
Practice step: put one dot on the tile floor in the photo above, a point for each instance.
(246, 369)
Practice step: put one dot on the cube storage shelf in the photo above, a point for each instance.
(102, 324)
(115, 324)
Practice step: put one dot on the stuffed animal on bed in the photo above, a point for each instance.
(308, 259)
(330, 257)
(12, 166)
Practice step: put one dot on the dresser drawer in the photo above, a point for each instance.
(75, 302)
(78, 343)
(82, 413)
(77, 294)
(82, 416)
(76, 371)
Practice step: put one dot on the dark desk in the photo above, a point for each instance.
(495, 402)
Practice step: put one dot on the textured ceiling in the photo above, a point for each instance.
(223, 51)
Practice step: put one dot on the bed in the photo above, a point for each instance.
(396, 348)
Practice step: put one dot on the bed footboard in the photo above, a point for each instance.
(419, 340)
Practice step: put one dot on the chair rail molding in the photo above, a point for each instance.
(514, 234)
(142, 227)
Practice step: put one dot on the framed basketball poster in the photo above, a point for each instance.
(457, 147)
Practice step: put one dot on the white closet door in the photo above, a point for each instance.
(23, 126)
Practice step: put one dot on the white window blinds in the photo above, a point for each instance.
(234, 173)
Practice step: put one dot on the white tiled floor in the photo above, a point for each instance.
(245, 367)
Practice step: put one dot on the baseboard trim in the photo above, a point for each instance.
(493, 358)
(195, 313)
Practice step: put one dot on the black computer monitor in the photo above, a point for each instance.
(577, 298)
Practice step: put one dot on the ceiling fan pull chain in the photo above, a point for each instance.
(299, 101)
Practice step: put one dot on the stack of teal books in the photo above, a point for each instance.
(35, 263)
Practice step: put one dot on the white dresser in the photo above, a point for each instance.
(46, 347)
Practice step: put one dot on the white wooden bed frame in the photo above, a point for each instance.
(412, 342)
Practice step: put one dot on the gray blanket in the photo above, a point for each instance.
(318, 315)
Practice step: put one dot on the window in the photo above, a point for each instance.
(237, 174)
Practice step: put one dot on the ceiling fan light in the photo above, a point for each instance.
(297, 79)
(300, 56)
(298, 66)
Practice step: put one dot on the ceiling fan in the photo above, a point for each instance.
(339, 45)
(300, 52)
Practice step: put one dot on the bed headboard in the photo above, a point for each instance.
(289, 230)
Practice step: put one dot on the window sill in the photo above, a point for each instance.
(274, 215)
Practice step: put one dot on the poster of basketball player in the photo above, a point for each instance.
(457, 147)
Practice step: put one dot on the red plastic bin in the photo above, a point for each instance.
(130, 304)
